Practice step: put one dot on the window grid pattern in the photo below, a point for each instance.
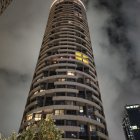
(65, 83)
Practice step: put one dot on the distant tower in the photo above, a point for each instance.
(3, 5)
(65, 82)
(131, 122)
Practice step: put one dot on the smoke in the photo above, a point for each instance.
(114, 28)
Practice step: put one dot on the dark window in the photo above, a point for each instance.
(90, 112)
(48, 101)
(52, 73)
(71, 94)
(79, 68)
(83, 130)
(51, 85)
(80, 80)
(71, 112)
(71, 135)
(40, 101)
(81, 94)
(71, 123)
(89, 95)
(71, 86)
(45, 73)
(61, 86)
(59, 122)
(59, 102)
(60, 94)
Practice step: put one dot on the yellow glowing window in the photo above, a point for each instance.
(84, 56)
(79, 58)
(37, 117)
(85, 61)
(29, 117)
(78, 54)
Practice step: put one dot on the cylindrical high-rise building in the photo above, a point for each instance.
(65, 82)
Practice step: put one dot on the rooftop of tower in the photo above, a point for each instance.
(81, 1)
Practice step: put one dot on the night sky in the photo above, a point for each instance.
(115, 34)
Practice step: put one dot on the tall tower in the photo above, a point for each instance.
(3, 5)
(131, 122)
(65, 82)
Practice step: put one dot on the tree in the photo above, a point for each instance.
(42, 130)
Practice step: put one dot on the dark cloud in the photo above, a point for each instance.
(117, 56)
(13, 78)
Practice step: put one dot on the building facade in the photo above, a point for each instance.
(3, 5)
(131, 122)
(65, 83)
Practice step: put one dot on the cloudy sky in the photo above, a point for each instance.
(115, 31)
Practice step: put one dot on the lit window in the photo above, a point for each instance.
(54, 62)
(92, 128)
(78, 54)
(70, 22)
(82, 128)
(132, 106)
(70, 73)
(84, 56)
(134, 127)
(35, 92)
(42, 90)
(38, 79)
(79, 58)
(98, 119)
(62, 80)
(59, 112)
(81, 109)
(85, 61)
(29, 117)
(37, 117)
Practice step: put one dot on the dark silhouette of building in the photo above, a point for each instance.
(131, 122)
(3, 5)
(65, 83)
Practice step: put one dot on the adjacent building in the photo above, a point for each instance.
(131, 122)
(3, 5)
(65, 83)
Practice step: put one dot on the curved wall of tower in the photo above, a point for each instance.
(65, 83)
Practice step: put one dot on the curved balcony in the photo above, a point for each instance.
(65, 82)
